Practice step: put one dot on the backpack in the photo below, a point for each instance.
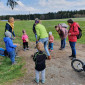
(64, 25)
(80, 33)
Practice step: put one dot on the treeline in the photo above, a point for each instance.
(50, 15)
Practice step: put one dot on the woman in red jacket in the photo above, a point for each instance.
(72, 36)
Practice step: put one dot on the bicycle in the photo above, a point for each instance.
(78, 65)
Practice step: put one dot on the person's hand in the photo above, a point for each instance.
(14, 37)
(37, 40)
(69, 33)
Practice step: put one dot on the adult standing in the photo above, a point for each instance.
(10, 26)
(42, 36)
(72, 36)
(63, 32)
(34, 31)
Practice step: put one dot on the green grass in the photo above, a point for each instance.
(8, 72)
(49, 24)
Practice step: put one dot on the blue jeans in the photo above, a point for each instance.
(51, 46)
(12, 56)
(45, 42)
(72, 45)
(36, 38)
(63, 43)
(42, 74)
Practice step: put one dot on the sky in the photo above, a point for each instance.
(41, 6)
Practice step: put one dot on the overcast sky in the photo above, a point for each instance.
(41, 6)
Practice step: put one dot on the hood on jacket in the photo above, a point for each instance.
(6, 39)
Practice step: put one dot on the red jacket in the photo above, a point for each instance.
(74, 32)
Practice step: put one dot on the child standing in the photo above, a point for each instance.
(39, 59)
(25, 40)
(51, 39)
(10, 47)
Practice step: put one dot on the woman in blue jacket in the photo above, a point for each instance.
(10, 26)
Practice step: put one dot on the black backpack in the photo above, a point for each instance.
(80, 33)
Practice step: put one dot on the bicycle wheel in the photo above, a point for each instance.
(77, 65)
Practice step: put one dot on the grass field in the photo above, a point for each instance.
(8, 72)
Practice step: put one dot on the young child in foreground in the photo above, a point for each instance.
(10, 47)
(39, 59)
(51, 39)
(25, 40)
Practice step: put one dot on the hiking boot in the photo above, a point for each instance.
(73, 58)
(61, 48)
(70, 56)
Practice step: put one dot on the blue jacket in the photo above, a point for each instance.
(9, 44)
(9, 28)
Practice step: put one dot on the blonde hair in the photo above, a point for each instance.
(10, 19)
(40, 46)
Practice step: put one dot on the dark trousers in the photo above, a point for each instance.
(25, 45)
(63, 43)
(72, 45)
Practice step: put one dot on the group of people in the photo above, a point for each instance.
(42, 40)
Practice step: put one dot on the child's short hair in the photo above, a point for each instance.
(23, 31)
(56, 26)
(40, 46)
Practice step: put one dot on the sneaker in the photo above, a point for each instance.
(13, 63)
(51, 50)
(24, 49)
(17, 56)
(27, 48)
(37, 81)
(43, 81)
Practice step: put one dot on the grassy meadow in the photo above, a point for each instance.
(8, 72)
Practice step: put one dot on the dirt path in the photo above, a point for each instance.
(58, 71)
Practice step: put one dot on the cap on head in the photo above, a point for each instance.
(8, 34)
(37, 20)
(50, 33)
(70, 21)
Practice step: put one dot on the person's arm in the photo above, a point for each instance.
(38, 33)
(34, 57)
(6, 27)
(13, 33)
(75, 31)
(11, 44)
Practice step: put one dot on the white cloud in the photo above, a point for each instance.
(57, 5)
(43, 6)
(20, 9)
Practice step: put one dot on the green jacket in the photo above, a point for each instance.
(41, 31)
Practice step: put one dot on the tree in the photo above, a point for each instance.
(12, 3)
